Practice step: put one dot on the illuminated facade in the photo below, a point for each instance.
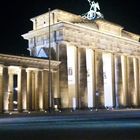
(23, 83)
(94, 64)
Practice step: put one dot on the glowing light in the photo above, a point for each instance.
(10, 113)
(16, 88)
(15, 102)
(74, 103)
(56, 107)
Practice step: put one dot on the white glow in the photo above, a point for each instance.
(107, 74)
(74, 103)
(41, 103)
(55, 106)
(16, 89)
(15, 102)
(89, 62)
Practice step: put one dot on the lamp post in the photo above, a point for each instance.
(49, 75)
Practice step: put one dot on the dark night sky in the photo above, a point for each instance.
(15, 15)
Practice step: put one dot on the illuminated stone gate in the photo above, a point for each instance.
(93, 64)
(99, 60)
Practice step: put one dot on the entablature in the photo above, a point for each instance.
(43, 31)
(84, 36)
(11, 60)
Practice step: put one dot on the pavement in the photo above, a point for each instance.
(95, 114)
(122, 124)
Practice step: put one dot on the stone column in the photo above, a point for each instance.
(24, 89)
(40, 89)
(1, 88)
(55, 90)
(131, 88)
(33, 82)
(118, 81)
(5, 89)
(32, 89)
(136, 83)
(108, 76)
(36, 88)
(45, 89)
(63, 76)
(10, 91)
(90, 62)
(72, 76)
(19, 89)
(57, 75)
(55, 81)
(124, 81)
(82, 76)
(139, 81)
(99, 79)
(28, 97)
(77, 77)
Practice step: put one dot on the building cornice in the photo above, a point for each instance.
(83, 28)
(9, 60)
(90, 30)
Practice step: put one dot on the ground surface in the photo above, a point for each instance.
(79, 125)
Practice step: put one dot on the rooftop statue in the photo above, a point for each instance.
(93, 13)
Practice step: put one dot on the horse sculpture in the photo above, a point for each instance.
(93, 13)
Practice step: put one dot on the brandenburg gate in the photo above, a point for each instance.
(94, 64)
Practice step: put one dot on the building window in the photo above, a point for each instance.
(69, 71)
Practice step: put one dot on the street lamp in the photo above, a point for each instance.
(49, 76)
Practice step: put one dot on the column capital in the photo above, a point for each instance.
(31, 69)
(14, 69)
(1, 69)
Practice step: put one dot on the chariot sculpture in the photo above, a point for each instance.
(93, 13)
